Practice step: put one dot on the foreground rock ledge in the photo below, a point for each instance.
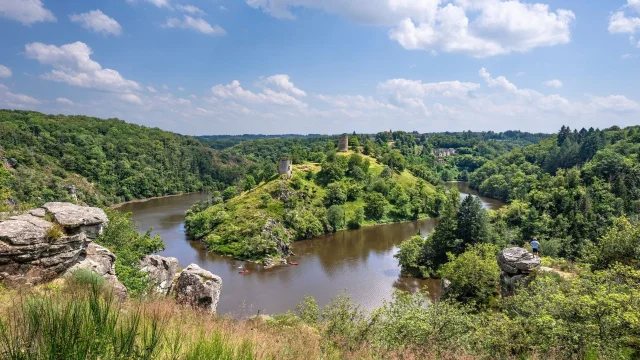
(54, 240)
(199, 288)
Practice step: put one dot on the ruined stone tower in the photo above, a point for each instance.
(343, 143)
(284, 167)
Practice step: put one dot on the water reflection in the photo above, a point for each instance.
(359, 262)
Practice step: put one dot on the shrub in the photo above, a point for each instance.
(376, 206)
(358, 218)
(54, 232)
(474, 276)
(336, 194)
(121, 237)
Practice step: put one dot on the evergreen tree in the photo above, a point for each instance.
(473, 223)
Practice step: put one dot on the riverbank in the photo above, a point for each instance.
(135, 201)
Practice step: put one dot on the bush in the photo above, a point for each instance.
(121, 237)
(358, 218)
(474, 276)
(336, 217)
(336, 194)
(54, 233)
(410, 257)
(376, 206)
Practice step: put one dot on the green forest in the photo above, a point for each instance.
(107, 161)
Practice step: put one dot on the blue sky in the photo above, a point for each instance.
(325, 66)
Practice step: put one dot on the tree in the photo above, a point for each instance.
(336, 194)
(358, 218)
(410, 257)
(229, 192)
(474, 276)
(443, 239)
(249, 183)
(336, 217)
(376, 205)
(473, 222)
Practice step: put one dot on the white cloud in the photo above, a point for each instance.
(165, 87)
(131, 98)
(222, 8)
(13, 100)
(5, 72)
(180, 88)
(416, 88)
(25, 11)
(151, 89)
(478, 28)
(97, 21)
(614, 103)
(282, 81)
(234, 91)
(158, 3)
(624, 21)
(501, 82)
(190, 9)
(197, 24)
(64, 101)
(72, 64)
(619, 23)
(554, 83)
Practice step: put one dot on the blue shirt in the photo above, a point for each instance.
(535, 244)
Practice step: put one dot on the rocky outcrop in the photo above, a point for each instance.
(101, 261)
(515, 264)
(199, 288)
(45, 243)
(279, 236)
(161, 271)
(75, 218)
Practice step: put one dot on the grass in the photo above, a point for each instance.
(55, 232)
(85, 321)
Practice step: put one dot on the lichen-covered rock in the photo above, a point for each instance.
(161, 271)
(199, 288)
(44, 243)
(515, 264)
(517, 260)
(102, 261)
(89, 220)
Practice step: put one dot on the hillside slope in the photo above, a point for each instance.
(107, 161)
(346, 190)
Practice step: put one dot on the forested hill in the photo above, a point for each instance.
(566, 190)
(108, 161)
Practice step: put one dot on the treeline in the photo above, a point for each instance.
(107, 161)
(567, 189)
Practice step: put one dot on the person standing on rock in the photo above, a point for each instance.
(535, 245)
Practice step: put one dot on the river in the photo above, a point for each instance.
(359, 262)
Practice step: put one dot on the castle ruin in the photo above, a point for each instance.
(343, 143)
(284, 167)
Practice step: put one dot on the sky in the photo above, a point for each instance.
(201, 67)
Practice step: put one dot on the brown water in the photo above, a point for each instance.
(357, 262)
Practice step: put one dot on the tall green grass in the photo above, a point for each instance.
(82, 323)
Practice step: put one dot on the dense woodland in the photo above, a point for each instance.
(108, 161)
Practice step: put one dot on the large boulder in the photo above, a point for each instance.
(102, 261)
(199, 288)
(517, 260)
(47, 242)
(161, 271)
(515, 264)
